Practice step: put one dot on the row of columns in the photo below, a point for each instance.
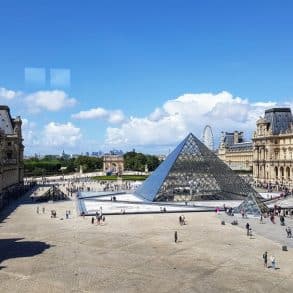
(275, 173)
(261, 153)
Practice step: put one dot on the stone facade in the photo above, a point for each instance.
(273, 148)
(11, 156)
(235, 152)
(113, 164)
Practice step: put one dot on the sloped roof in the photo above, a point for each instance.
(280, 119)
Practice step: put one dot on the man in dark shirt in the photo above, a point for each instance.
(265, 259)
(247, 228)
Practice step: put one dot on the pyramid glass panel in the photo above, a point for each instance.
(251, 205)
(193, 172)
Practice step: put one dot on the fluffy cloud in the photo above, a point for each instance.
(188, 113)
(57, 134)
(112, 116)
(8, 94)
(29, 134)
(49, 100)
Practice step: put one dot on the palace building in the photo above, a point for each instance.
(11, 156)
(235, 152)
(273, 148)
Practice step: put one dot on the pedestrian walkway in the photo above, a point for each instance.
(267, 229)
(133, 254)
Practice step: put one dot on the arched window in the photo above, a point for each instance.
(276, 172)
(282, 172)
(288, 173)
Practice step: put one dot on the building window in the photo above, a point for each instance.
(276, 172)
(288, 173)
(282, 172)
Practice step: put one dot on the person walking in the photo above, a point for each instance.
(273, 261)
(288, 230)
(175, 236)
(247, 229)
(265, 259)
(272, 218)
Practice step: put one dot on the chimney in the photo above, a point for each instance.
(236, 136)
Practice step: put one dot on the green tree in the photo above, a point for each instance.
(137, 161)
(89, 163)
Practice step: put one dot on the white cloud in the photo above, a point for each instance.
(115, 116)
(49, 100)
(8, 94)
(189, 113)
(95, 113)
(112, 116)
(157, 114)
(29, 134)
(57, 134)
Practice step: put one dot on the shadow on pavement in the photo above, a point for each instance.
(13, 204)
(14, 247)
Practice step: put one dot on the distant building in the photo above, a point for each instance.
(235, 152)
(97, 154)
(11, 155)
(161, 157)
(116, 152)
(64, 155)
(273, 148)
(113, 163)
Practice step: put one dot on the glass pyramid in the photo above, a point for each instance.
(251, 205)
(193, 172)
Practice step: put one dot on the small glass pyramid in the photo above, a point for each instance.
(251, 205)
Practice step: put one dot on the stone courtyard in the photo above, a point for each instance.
(134, 253)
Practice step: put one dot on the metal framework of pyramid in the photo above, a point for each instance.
(193, 172)
(251, 205)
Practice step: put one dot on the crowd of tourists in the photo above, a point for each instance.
(274, 187)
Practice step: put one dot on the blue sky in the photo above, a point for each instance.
(131, 64)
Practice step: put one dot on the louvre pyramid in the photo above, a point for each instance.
(251, 205)
(193, 172)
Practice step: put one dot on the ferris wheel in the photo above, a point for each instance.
(208, 138)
